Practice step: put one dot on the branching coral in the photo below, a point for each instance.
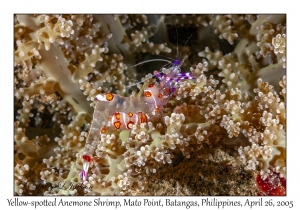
(235, 101)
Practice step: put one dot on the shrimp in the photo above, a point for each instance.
(117, 112)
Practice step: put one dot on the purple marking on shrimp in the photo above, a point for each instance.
(158, 75)
(185, 74)
(176, 62)
(83, 175)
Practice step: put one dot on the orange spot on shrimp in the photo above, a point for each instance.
(109, 96)
(117, 124)
(130, 114)
(130, 124)
(147, 94)
(143, 118)
(159, 95)
(151, 85)
(103, 130)
(157, 109)
(117, 115)
(166, 90)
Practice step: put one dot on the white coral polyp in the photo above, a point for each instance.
(279, 43)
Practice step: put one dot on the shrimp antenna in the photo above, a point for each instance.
(186, 43)
(166, 57)
(128, 86)
(176, 41)
(143, 63)
(158, 59)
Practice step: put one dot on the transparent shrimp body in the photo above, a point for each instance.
(112, 111)
(117, 112)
